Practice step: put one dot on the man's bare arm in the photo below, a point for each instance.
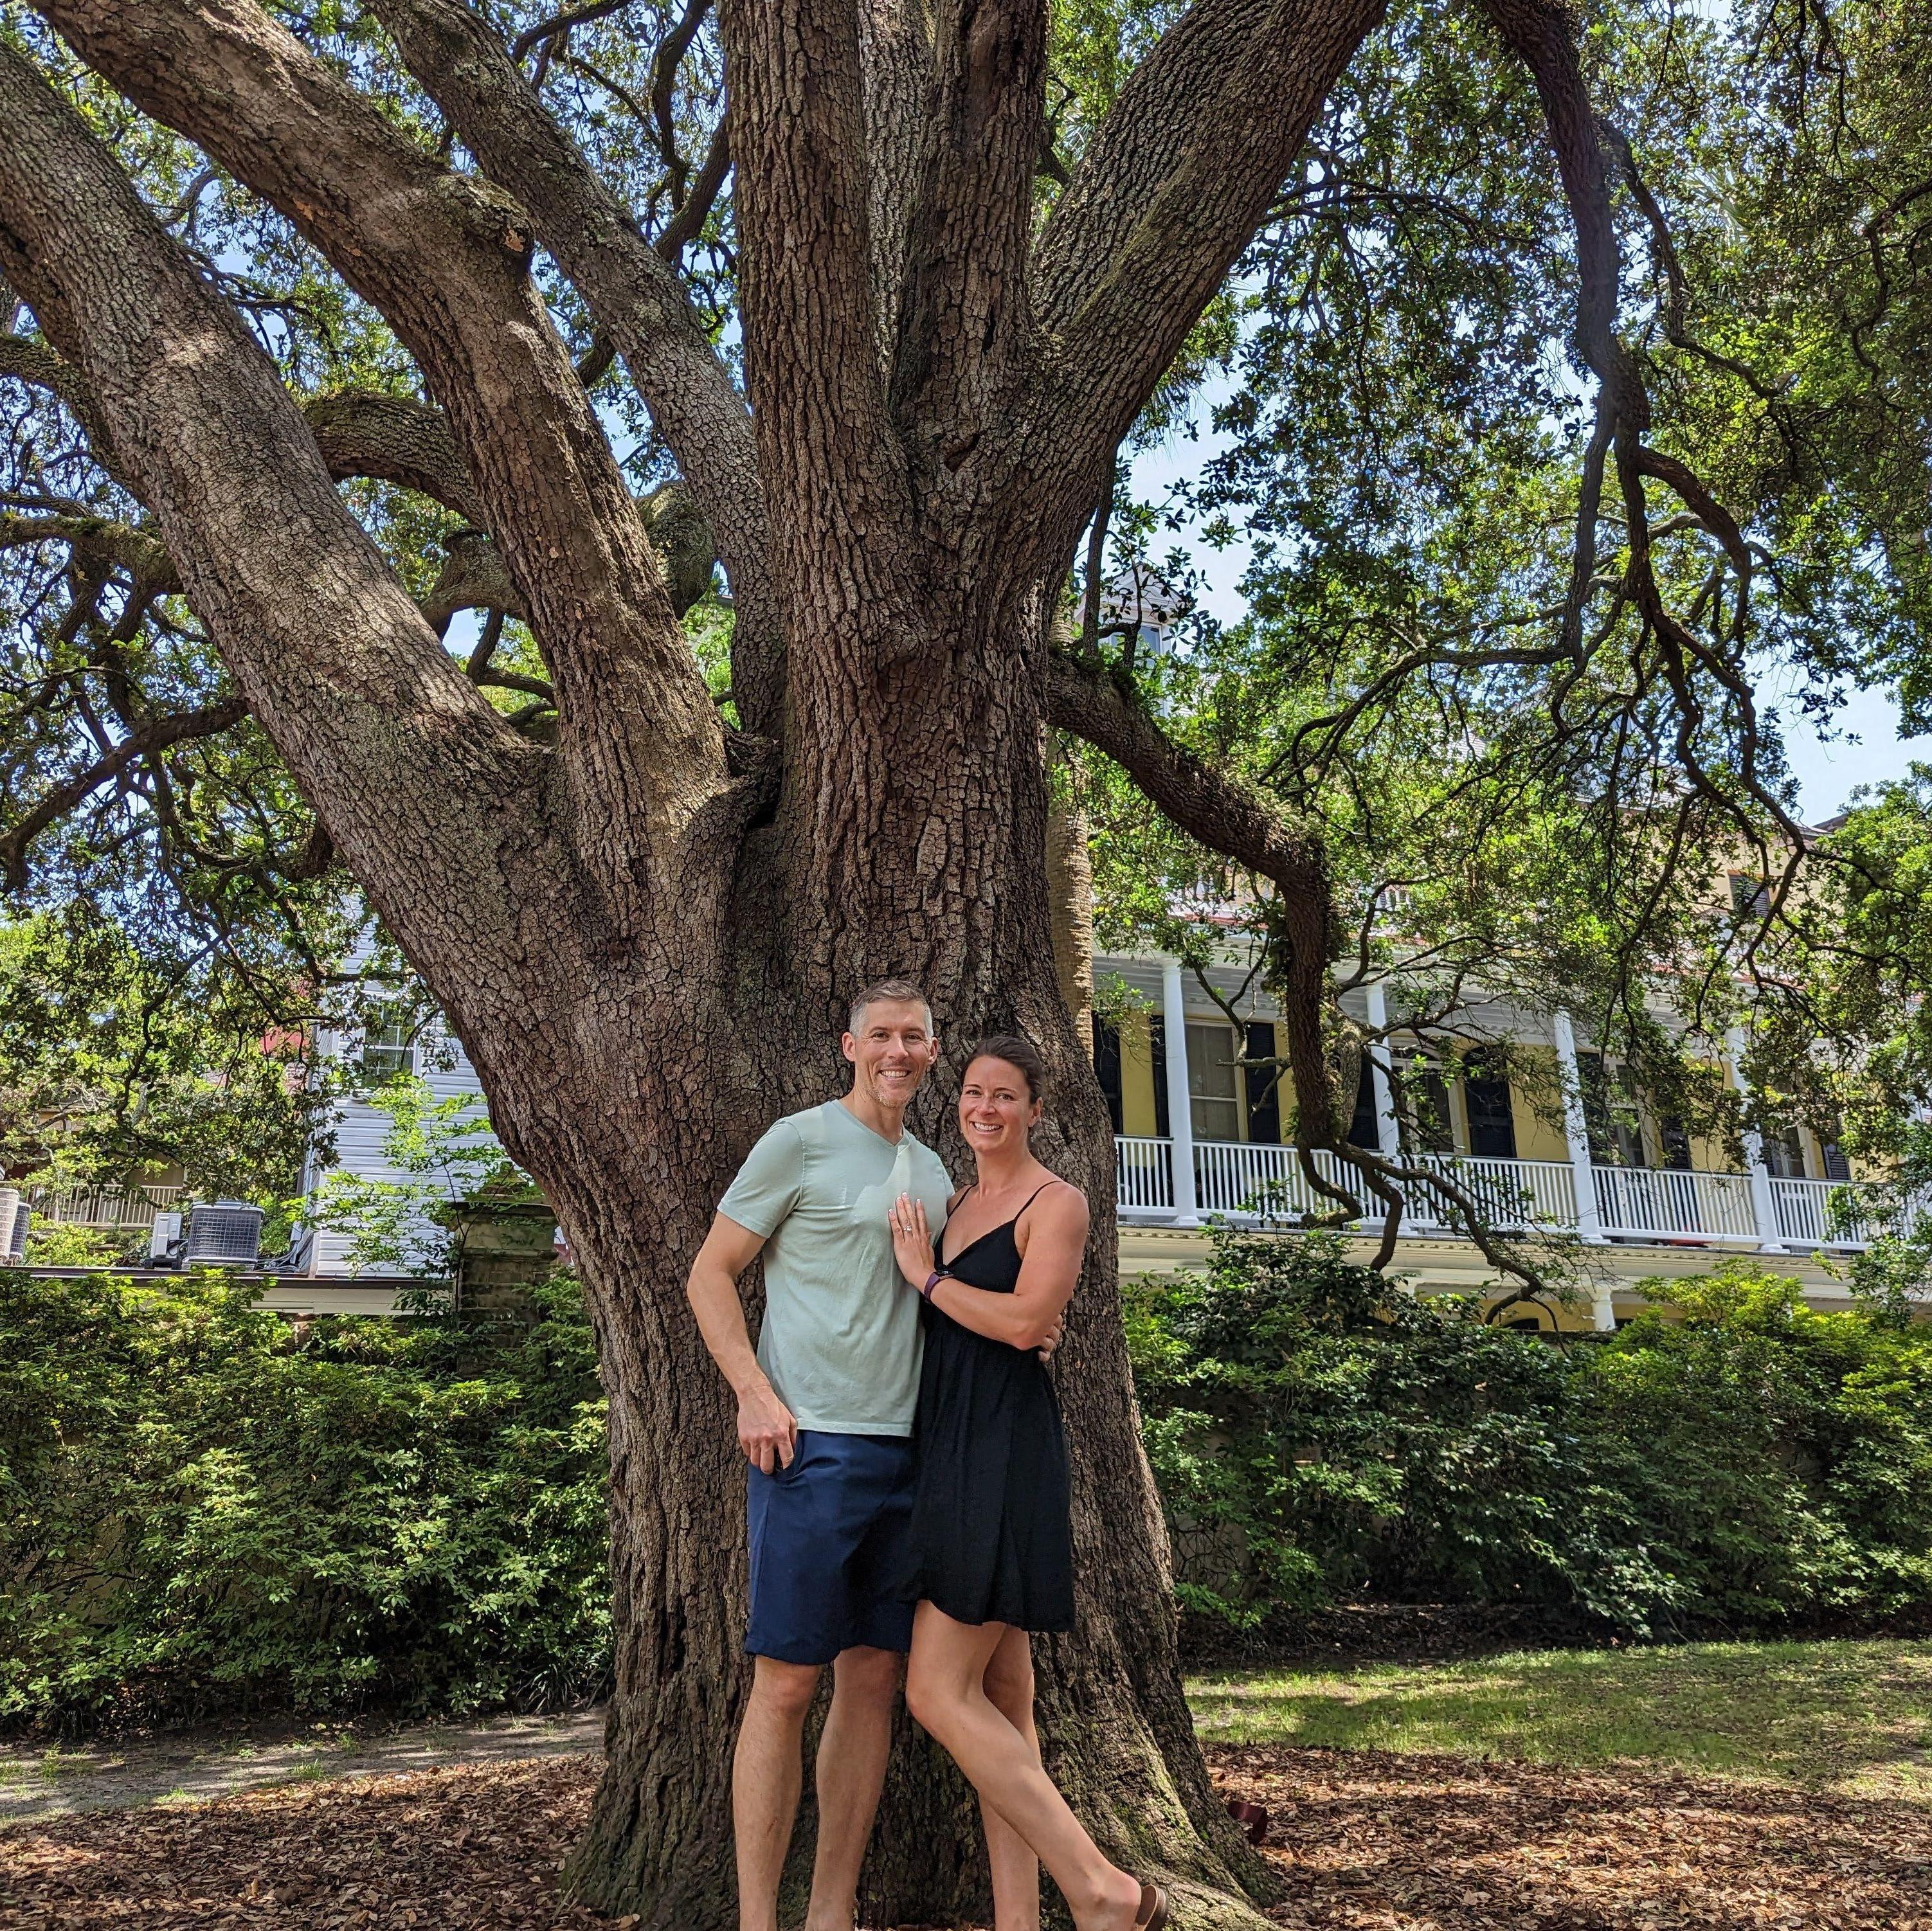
(767, 1430)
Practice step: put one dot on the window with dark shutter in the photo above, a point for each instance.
(1107, 1068)
(1264, 1088)
(1362, 1131)
(1492, 1119)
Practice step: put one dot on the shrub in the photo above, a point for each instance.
(205, 1507)
(1780, 1457)
(1319, 1433)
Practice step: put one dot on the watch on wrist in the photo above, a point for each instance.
(932, 1280)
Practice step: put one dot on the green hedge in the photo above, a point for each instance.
(1320, 1435)
(204, 1506)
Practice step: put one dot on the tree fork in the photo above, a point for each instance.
(1118, 1734)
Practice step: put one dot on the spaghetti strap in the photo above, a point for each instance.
(1055, 1181)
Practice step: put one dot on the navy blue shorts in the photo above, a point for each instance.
(828, 1542)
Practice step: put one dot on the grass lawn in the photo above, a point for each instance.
(1854, 1717)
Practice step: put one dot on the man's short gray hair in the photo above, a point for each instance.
(899, 992)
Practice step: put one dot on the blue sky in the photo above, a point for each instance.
(1863, 746)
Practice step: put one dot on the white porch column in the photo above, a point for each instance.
(1576, 1133)
(1388, 1133)
(1180, 1109)
(1764, 1208)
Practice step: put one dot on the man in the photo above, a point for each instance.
(825, 1416)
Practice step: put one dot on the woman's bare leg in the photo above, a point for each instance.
(946, 1691)
(1009, 1681)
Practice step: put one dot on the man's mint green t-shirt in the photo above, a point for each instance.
(841, 1341)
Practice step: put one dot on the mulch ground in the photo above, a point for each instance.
(1364, 1841)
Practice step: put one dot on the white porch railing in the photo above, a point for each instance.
(1143, 1175)
(104, 1207)
(1513, 1194)
(1266, 1182)
(1805, 1219)
(1664, 1203)
(1246, 1181)
(1261, 1182)
(1257, 1184)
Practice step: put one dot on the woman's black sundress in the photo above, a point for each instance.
(991, 1538)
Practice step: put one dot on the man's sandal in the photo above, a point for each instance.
(1153, 1908)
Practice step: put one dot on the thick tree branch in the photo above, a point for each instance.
(688, 224)
(1229, 816)
(638, 301)
(964, 315)
(472, 578)
(1218, 810)
(445, 258)
(1171, 189)
(396, 441)
(1542, 36)
(103, 541)
(413, 772)
(896, 39)
(559, 23)
(360, 433)
(837, 490)
(1232, 817)
(665, 64)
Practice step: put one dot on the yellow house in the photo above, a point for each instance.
(1201, 1134)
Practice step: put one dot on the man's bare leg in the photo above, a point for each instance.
(766, 1771)
(849, 1774)
(1016, 1869)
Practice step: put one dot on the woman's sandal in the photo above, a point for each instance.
(1153, 1908)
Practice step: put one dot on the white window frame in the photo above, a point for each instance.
(1200, 1102)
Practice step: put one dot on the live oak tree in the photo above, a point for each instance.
(887, 284)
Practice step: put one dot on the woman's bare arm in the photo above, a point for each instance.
(1056, 1238)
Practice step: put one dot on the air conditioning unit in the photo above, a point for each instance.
(227, 1234)
(166, 1235)
(16, 1248)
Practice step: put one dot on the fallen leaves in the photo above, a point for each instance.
(1363, 1841)
(1369, 1840)
(472, 1847)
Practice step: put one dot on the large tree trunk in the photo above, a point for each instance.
(645, 932)
(964, 908)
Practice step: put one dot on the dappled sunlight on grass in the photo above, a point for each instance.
(1849, 1716)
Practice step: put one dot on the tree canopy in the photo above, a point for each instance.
(1460, 673)
(382, 383)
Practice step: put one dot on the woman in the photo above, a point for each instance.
(991, 1543)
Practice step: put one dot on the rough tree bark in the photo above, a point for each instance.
(644, 933)
(1069, 886)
